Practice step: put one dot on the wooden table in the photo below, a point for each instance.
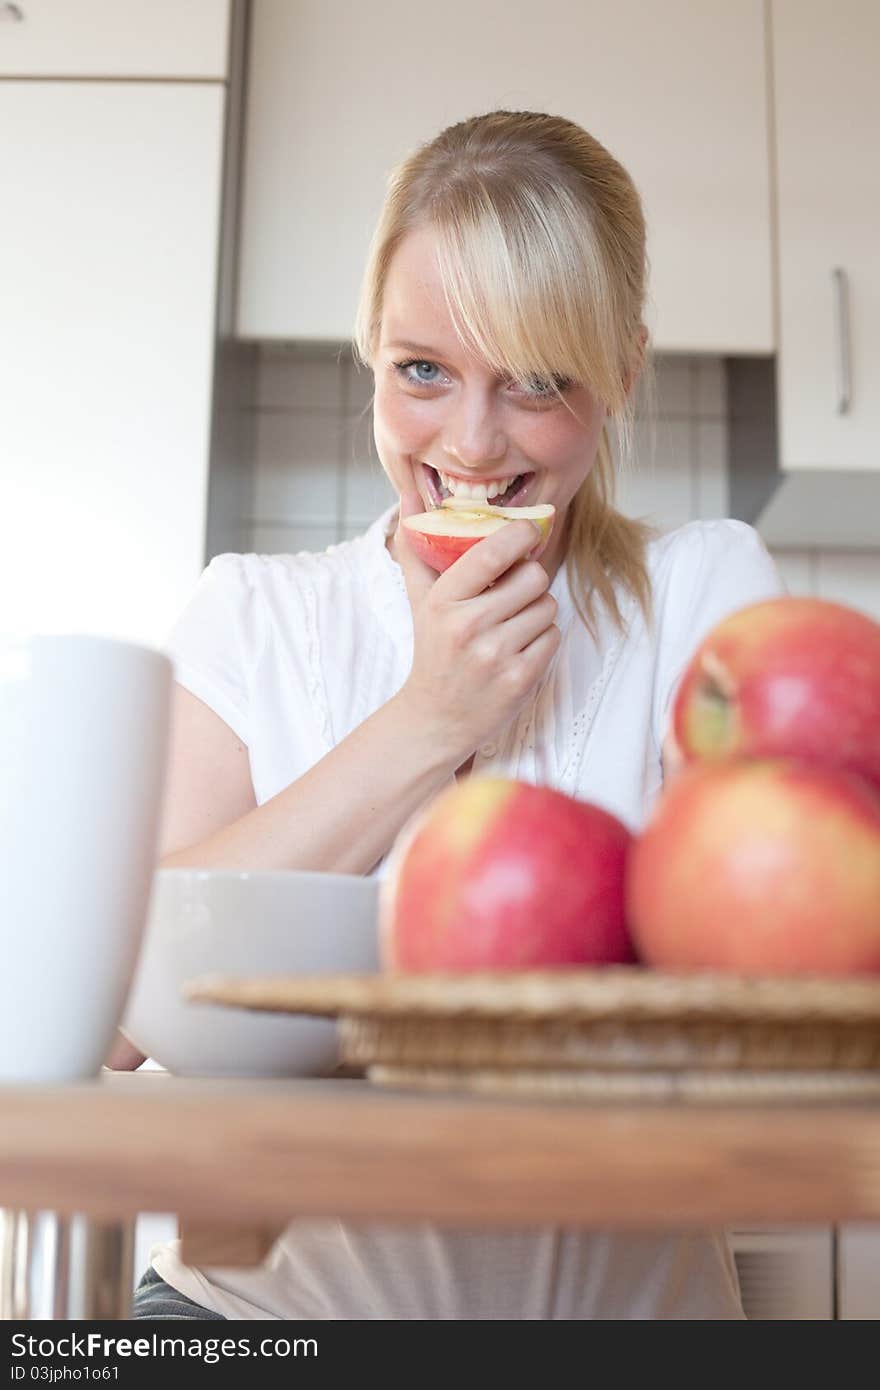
(263, 1152)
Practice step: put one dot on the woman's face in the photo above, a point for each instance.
(439, 410)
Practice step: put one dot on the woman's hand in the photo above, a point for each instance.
(124, 1056)
(483, 633)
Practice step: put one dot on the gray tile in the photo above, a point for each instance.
(268, 539)
(675, 395)
(710, 388)
(851, 578)
(796, 568)
(358, 392)
(358, 447)
(711, 497)
(293, 378)
(646, 443)
(366, 493)
(660, 488)
(646, 392)
(297, 475)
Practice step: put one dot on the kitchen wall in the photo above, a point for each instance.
(317, 479)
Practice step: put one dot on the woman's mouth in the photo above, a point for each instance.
(498, 492)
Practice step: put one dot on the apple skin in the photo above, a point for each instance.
(497, 874)
(441, 551)
(789, 677)
(765, 867)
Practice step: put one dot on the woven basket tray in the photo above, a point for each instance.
(613, 1033)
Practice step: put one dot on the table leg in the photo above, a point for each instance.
(64, 1268)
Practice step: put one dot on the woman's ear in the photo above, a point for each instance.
(639, 360)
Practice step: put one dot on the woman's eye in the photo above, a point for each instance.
(416, 372)
(542, 388)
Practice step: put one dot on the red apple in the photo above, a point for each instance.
(791, 677)
(440, 536)
(496, 874)
(762, 867)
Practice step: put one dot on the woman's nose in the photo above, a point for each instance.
(474, 436)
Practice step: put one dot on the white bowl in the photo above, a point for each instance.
(207, 922)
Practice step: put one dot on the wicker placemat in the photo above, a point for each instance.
(609, 1045)
(625, 992)
(618, 1033)
(689, 1087)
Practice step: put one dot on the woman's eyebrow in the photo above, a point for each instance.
(416, 347)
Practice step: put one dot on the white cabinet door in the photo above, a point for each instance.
(826, 60)
(108, 267)
(339, 91)
(114, 38)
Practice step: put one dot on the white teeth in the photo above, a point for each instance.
(477, 492)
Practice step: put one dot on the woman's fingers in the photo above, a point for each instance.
(472, 573)
(489, 559)
(483, 632)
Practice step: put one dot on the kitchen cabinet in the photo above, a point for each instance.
(338, 92)
(826, 115)
(108, 281)
(103, 38)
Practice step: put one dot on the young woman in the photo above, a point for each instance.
(321, 699)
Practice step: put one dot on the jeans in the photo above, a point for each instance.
(153, 1298)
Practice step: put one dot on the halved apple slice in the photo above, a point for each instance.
(439, 537)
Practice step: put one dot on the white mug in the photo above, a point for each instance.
(83, 738)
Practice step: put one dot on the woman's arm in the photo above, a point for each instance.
(342, 816)
(483, 636)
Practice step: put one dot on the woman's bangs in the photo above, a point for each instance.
(518, 303)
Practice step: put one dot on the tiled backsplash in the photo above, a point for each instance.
(317, 478)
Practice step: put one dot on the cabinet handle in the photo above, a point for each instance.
(12, 12)
(841, 320)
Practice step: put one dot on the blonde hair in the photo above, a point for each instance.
(541, 248)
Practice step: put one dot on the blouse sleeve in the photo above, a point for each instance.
(216, 642)
(726, 567)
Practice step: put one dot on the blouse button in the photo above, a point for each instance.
(489, 750)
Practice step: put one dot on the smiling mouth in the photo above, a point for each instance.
(439, 492)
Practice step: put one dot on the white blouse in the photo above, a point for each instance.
(293, 652)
